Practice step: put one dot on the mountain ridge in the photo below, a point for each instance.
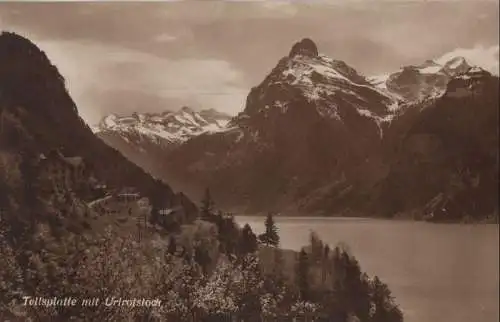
(173, 126)
(144, 138)
(316, 137)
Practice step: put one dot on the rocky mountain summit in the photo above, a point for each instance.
(307, 78)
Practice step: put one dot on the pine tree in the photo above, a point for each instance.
(351, 287)
(317, 247)
(207, 206)
(233, 234)
(325, 263)
(248, 241)
(326, 252)
(383, 307)
(270, 237)
(302, 275)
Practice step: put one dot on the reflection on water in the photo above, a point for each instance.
(437, 272)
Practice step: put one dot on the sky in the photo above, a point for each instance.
(122, 57)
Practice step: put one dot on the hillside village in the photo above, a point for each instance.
(61, 176)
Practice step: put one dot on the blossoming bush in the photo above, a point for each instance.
(237, 289)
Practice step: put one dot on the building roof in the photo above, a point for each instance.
(74, 161)
(57, 155)
(128, 194)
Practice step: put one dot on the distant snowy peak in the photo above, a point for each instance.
(416, 83)
(428, 67)
(172, 127)
(433, 72)
(455, 66)
(482, 56)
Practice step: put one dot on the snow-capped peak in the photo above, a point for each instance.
(474, 72)
(421, 82)
(475, 69)
(109, 121)
(429, 67)
(482, 56)
(455, 62)
(452, 64)
(174, 127)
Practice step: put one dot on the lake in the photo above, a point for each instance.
(437, 272)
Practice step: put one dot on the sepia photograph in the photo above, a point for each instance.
(249, 161)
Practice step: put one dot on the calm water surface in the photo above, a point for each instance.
(437, 272)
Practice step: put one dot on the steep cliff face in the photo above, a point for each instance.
(38, 115)
(446, 164)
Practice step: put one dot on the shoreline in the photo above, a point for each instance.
(400, 218)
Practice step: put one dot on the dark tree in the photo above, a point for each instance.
(207, 206)
(29, 173)
(351, 287)
(384, 309)
(275, 280)
(302, 275)
(270, 237)
(202, 257)
(317, 247)
(172, 246)
(325, 263)
(248, 241)
(326, 252)
(158, 199)
(229, 232)
(4, 193)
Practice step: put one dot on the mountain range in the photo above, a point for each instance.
(144, 138)
(317, 137)
(417, 83)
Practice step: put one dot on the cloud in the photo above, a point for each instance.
(286, 8)
(482, 56)
(91, 69)
(210, 53)
(164, 37)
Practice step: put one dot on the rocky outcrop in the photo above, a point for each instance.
(305, 47)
